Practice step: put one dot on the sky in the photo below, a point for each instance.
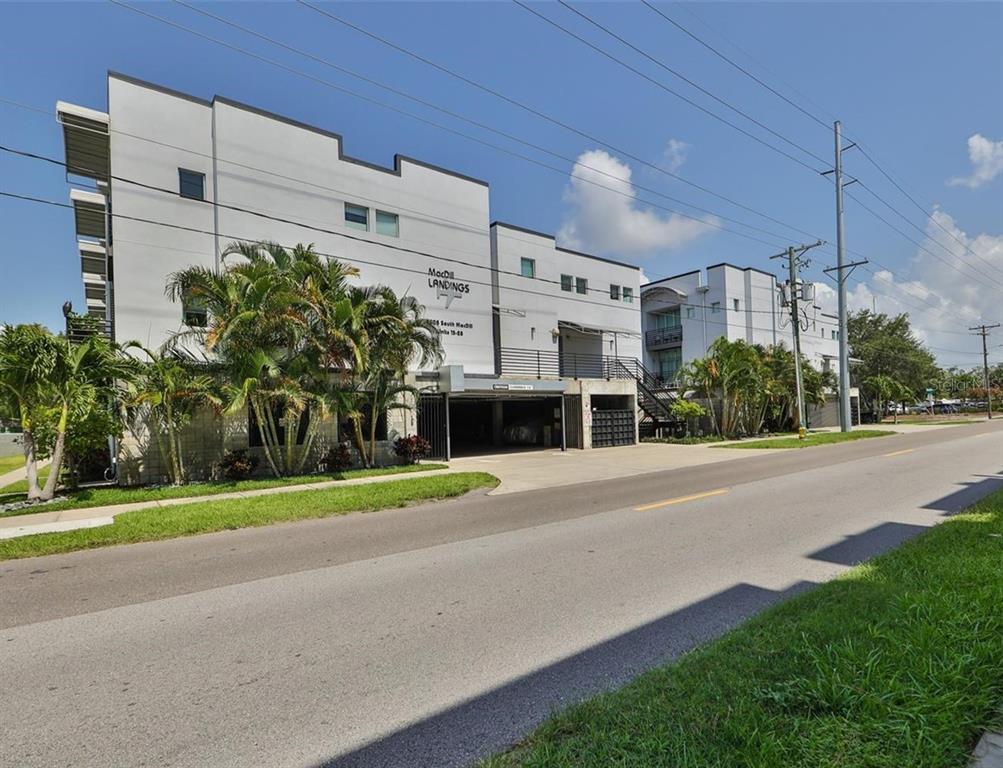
(917, 85)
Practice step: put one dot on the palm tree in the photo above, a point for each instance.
(399, 336)
(172, 386)
(28, 355)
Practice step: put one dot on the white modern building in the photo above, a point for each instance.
(542, 344)
(683, 315)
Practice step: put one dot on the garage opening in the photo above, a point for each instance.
(494, 424)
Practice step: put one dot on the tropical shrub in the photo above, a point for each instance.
(689, 412)
(412, 449)
(338, 458)
(237, 465)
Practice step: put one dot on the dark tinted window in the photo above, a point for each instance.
(192, 184)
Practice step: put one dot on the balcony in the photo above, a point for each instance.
(551, 364)
(660, 338)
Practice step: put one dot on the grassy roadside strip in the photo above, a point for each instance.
(814, 438)
(229, 514)
(897, 663)
(10, 463)
(99, 497)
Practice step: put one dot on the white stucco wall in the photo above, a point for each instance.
(759, 319)
(530, 310)
(305, 178)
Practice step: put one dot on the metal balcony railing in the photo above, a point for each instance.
(540, 363)
(659, 337)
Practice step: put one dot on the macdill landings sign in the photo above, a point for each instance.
(446, 285)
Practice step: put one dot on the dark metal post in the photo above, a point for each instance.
(564, 426)
(445, 404)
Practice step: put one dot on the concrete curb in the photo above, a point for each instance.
(989, 751)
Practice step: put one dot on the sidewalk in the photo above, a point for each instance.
(18, 474)
(92, 517)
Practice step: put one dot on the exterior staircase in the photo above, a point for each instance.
(654, 398)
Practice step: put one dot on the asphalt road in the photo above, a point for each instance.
(431, 635)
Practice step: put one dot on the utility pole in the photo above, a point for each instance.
(794, 262)
(983, 331)
(842, 275)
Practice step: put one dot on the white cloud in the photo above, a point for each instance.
(941, 302)
(606, 218)
(987, 162)
(675, 154)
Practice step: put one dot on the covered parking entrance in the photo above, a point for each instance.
(470, 423)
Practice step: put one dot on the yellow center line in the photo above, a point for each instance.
(680, 500)
(899, 453)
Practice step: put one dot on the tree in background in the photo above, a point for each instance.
(886, 346)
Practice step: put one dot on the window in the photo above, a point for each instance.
(386, 224)
(191, 184)
(527, 267)
(614, 292)
(669, 319)
(581, 285)
(734, 304)
(194, 314)
(279, 418)
(566, 282)
(628, 295)
(833, 335)
(715, 307)
(690, 313)
(356, 217)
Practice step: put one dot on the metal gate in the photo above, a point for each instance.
(432, 423)
(572, 425)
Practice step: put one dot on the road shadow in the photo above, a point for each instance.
(460, 735)
(859, 547)
(969, 493)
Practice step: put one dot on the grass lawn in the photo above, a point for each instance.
(10, 463)
(228, 514)
(813, 438)
(897, 663)
(99, 497)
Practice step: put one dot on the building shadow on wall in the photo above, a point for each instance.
(497, 718)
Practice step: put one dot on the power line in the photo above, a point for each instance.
(688, 81)
(926, 214)
(660, 84)
(542, 115)
(737, 66)
(356, 260)
(918, 244)
(488, 144)
(480, 141)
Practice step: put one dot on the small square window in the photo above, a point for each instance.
(527, 267)
(628, 295)
(191, 184)
(567, 282)
(193, 313)
(734, 304)
(386, 224)
(581, 285)
(356, 217)
(715, 307)
(690, 313)
(614, 292)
